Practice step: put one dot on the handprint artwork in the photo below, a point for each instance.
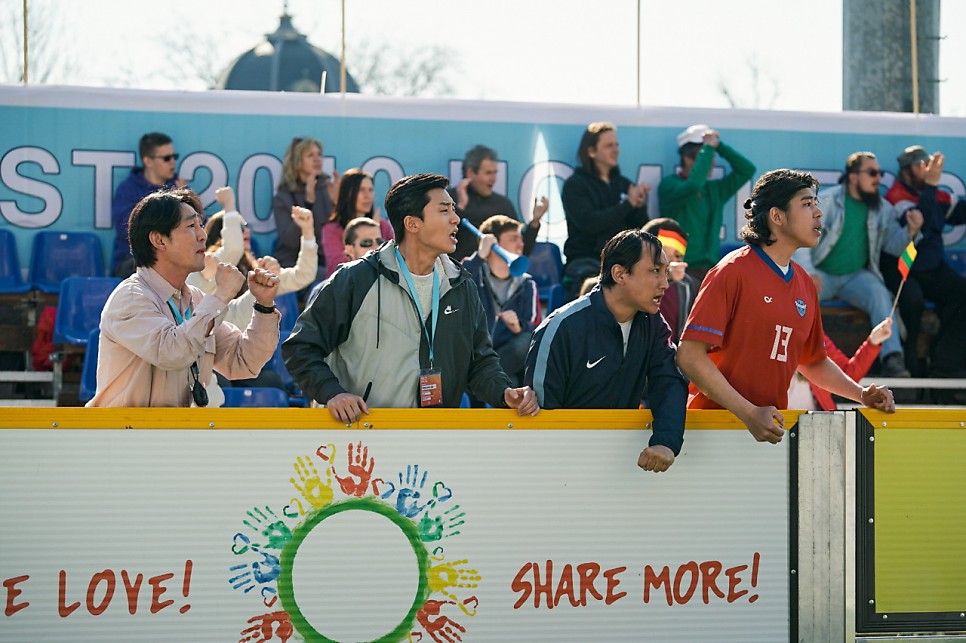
(330, 484)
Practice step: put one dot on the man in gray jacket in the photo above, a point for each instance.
(403, 326)
(859, 224)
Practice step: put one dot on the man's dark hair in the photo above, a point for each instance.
(349, 236)
(773, 189)
(588, 141)
(475, 157)
(407, 198)
(654, 226)
(157, 212)
(625, 249)
(690, 150)
(152, 141)
(498, 224)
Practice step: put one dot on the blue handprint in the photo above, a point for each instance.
(410, 491)
(256, 573)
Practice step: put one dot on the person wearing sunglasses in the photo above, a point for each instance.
(858, 225)
(355, 199)
(917, 187)
(158, 160)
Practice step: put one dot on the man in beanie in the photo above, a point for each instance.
(696, 202)
(930, 277)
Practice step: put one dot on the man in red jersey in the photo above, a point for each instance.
(756, 318)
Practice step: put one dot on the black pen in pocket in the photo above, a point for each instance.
(365, 396)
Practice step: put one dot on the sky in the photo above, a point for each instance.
(557, 51)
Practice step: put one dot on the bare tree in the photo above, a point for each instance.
(192, 57)
(763, 86)
(389, 71)
(47, 57)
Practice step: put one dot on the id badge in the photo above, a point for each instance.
(430, 387)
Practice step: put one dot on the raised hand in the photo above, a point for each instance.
(228, 281)
(462, 194)
(264, 286)
(934, 168)
(270, 264)
(265, 626)
(881, 332)
(304, 220)
(312, 489)
(540, 207)
(436, 527)
(226, 197)
(269, 526)
(914, 221)
(360, 467)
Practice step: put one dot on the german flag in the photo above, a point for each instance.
(905, 261)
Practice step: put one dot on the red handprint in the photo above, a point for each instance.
(263, 628)
(360, 471)
(442, 629)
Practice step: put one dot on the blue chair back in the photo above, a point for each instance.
(556, 298)
(236, 397)
(79, 308)
(288, 305)
(546, 267)
(88, 384)
(957, 261)
(11, 279)
(58, 255)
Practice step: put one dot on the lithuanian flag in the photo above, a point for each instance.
(905, 261)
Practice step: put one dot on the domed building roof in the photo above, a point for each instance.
(285, 61)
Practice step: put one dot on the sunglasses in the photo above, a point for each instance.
(167, 158)
(871, 172)
(368, 243)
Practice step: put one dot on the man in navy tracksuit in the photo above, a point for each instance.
(511, 304)
(602, 350)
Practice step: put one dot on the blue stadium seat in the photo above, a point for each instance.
(295, 397)
(556, 298)
(546, 267)
(11, 278)
(58, 255)
(288, 305)
(957, 261)
(79, 308)
(255, 397)
(88, 383)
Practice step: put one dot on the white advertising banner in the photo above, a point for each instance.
(421, 535)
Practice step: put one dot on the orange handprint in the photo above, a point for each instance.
(360, 471)
(442, 629)
(263, 628)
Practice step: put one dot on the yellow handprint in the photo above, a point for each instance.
(446, 575)
(312, 487)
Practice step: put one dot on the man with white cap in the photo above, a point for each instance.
(696, 202)
(930, 277)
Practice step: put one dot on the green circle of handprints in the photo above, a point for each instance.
(287, 595)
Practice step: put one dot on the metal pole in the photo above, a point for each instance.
(915, 56)
(24, 42)
(342, 60)
(638, 53)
